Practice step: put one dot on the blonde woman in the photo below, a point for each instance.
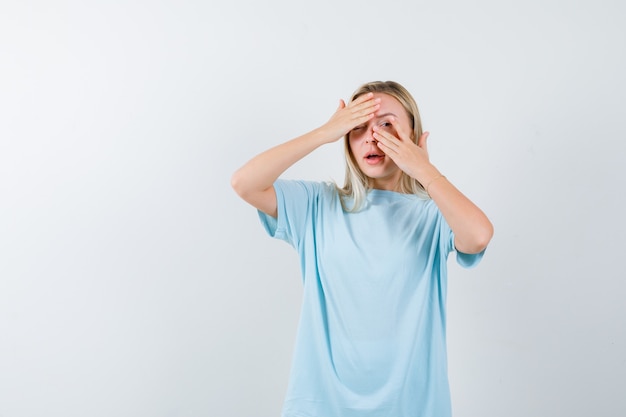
(371, 337)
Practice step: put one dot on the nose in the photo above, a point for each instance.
(370, 136)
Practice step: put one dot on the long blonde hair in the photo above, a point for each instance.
(357, 183)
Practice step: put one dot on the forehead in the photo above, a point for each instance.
(389, 104)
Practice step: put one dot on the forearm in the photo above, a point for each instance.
(471, 227)
(263, 170)
(254, 181)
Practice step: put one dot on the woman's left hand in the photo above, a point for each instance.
(408, 156)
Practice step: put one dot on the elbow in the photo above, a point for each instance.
(237, 184)
(482, 238)
(478, 241)
(245, 186)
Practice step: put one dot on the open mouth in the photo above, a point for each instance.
(374, 158)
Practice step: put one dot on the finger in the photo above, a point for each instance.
(386, 148)
(403, 134)
(366, 107)
(387, 139)
(422, 141)
(359, 120)
(362, 98)
(382, 146)
(364, 115)
(366, 100)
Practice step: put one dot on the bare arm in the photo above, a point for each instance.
(472, 229)
(254, 181)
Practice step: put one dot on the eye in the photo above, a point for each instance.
(385, 124)
(358, 128)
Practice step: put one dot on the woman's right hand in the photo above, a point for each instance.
(347, 117)
(254, 181)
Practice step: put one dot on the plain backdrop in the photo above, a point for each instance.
(135, 283)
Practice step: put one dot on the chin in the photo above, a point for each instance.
(379, 172)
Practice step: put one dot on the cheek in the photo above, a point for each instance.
(354, 140)
(350, 142)
(353, 146)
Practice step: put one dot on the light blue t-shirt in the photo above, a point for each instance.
(371, 339)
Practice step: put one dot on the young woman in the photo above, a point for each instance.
(371, 338)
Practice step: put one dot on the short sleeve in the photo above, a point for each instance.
(294, 203)
(466, 260)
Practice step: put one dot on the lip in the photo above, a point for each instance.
(379, 158)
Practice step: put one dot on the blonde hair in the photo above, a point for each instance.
(357, 184)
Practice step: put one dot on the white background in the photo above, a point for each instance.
(133, 281)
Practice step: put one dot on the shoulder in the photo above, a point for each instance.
(310, 188)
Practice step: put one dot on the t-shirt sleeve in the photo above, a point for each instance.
(294, 204)
(466, 260)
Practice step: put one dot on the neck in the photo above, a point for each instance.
(387, 184)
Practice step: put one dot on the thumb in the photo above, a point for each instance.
(421, 142)
(342, 104)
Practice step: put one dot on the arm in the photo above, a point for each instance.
(254, 181)
(472, 229)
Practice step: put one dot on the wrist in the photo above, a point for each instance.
(436, 179)
(320, 136)
(426, 174)
(327, 134)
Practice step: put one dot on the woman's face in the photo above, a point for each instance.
(384, 174)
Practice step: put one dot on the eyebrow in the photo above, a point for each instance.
(381, 116)
(385, 115)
